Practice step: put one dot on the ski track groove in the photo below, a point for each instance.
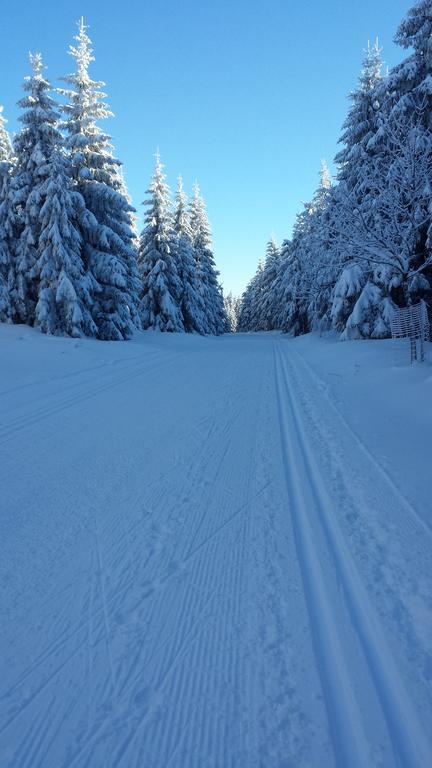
(179, 568)
(167, 659)
(374, 463)
(203, 577)
(101, 580)
(20, 424)
(408, 739)
(117, 363)
(349, 742)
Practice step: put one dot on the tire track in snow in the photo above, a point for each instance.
(307, 490)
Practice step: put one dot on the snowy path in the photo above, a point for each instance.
(203, 564)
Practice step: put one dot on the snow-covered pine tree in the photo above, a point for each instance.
(359, 161)
(412, 81)
(250, 309)
(7, 225)
(232, 306)
(303, 287)
(271, 266)
(412, 78)
(211, 292)
(65, 291)
(323, 266)
(161, 288)
(385, 217)
(34, 146)
(191, 300)
(362, 121)
(106, 225)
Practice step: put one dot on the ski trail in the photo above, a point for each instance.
(101, 580)
(349, 740)
(18, 424)
(374, 464)
(408, 738)
(199, 585)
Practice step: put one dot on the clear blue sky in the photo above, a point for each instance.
(245, 96)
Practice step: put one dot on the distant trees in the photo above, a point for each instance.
(232, 309)
(363, 245)
(207, 274)
(70, 258)
(180, 289)
(157, 260)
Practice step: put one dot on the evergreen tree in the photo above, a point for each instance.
(106, 224)
(271, 266)
(191, 301)
(211, 292)
(232, 307)
(65, 300)
(412, 79)
(362, 121)
(34, 146)
(249, 315)
(161, 287)
(7, 220)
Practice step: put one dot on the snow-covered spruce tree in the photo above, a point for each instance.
(320, 268)
(359, 160)
(257, 310)
(396, 241)
(270, 271)
(161, 287)
(7, 226)
(306, 275)
(208, 285)
(412, 81)
(250, 309)
(65, 288)
(391, 228)
(387, 232)
(34, 146)
(191, 300)
(362, 121)
(106, 225)
(232, 307)
(292, 287)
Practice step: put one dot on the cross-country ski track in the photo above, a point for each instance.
(204, 564)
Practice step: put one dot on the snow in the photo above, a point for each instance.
(216, 552)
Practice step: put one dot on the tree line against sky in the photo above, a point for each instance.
(71, 260)
(362, 246)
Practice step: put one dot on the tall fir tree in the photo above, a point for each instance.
(362, 121)
(271, 266)
(65, 290)
(7, 225)
(106, 225)
(34, 146)
(161, 296)
(207, 273)
(232, 307)
(191, 301)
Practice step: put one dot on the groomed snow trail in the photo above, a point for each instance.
(202, 565)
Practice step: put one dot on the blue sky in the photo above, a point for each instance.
(245, 96)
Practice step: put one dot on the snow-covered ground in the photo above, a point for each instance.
(215, 553)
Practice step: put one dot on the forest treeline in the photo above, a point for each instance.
(71, 260)
(362, 246)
